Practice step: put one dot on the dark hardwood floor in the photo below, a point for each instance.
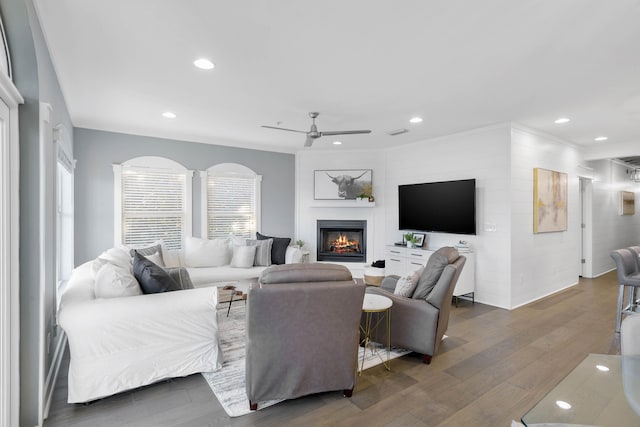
(495, 365)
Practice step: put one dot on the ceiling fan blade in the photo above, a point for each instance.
(345, 132)
(290, 130)
(308, 142)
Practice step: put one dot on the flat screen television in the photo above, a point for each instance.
(444, 207)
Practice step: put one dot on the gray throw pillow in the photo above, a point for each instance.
(278, 249)
(155, 249)
(153, 279)
(263, 251)
(180, 275)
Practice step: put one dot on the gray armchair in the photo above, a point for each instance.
(418, 323)
(302, 331)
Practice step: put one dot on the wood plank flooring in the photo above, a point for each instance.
(495, 365)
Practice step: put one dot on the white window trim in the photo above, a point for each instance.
(67, 161)
(151, 163)
(227, 169)
(9, 266)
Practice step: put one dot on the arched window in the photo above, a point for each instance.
(230, 201)
(152, 202)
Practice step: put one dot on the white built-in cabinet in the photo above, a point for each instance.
(401, 261)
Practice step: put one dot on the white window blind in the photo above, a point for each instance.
(231, 206)
(152, 201)
(154, 206)
(230, 201)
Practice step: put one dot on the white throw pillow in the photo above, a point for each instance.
(113, 281)
(206, 253)
(118, 256)
(406, 285)
(243, 256)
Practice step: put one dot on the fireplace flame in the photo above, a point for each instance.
(343, 245)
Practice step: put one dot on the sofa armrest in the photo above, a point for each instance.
(293, 255)
(107, 326)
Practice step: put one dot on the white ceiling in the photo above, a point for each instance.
(363, 64)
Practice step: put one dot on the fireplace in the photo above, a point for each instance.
(340, 240)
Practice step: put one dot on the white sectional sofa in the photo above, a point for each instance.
(120, 338)
(125, 342)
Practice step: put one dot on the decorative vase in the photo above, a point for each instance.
(411, 245)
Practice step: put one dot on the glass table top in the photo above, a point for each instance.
(593, 395)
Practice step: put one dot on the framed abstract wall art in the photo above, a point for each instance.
(549, 201)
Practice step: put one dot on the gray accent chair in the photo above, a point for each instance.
(302, 331)
(628, 277)
(418, 324)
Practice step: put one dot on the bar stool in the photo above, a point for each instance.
(628, 276)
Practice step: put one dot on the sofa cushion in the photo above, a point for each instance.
(114, 281)
(153, 279)
(405, 286)
(432, 271)
(278, 249)
(243, 256)
(205, 253)
(314, 272)
(263, 251)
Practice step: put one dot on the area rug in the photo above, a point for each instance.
(228, 383)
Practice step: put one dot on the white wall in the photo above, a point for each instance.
(308, 210)
(541, 263)
(482, 154)
(610, 229)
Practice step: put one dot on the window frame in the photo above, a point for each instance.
(152, 164)
(229, 170)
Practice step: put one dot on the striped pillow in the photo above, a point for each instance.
(263, 251)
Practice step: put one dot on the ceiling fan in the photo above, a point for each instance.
(313, 134)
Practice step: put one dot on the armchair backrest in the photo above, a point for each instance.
(440, 296)
(302, 331)
(625, 263)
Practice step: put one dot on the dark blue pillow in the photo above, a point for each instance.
(153, 279)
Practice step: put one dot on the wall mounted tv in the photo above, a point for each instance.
(444, 207)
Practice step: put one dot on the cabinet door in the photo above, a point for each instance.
(466, 280)
(394, 262)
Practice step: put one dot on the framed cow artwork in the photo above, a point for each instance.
(342, 184)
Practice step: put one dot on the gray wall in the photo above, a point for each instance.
(96, 152)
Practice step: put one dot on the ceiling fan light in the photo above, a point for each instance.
(203, 63)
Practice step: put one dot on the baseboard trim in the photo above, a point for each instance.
(545, 295)
(52, 376)
(602, 274)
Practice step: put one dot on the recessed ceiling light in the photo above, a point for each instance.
(562, 404)
(602, 368)
(601, 138)
(416, 120)
(169, 115)
(562, 120)
(337, 142)
(203, 63)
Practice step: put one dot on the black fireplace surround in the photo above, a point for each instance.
(342, 240)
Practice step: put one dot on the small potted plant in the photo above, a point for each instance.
(411, 240)
(299, 243)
